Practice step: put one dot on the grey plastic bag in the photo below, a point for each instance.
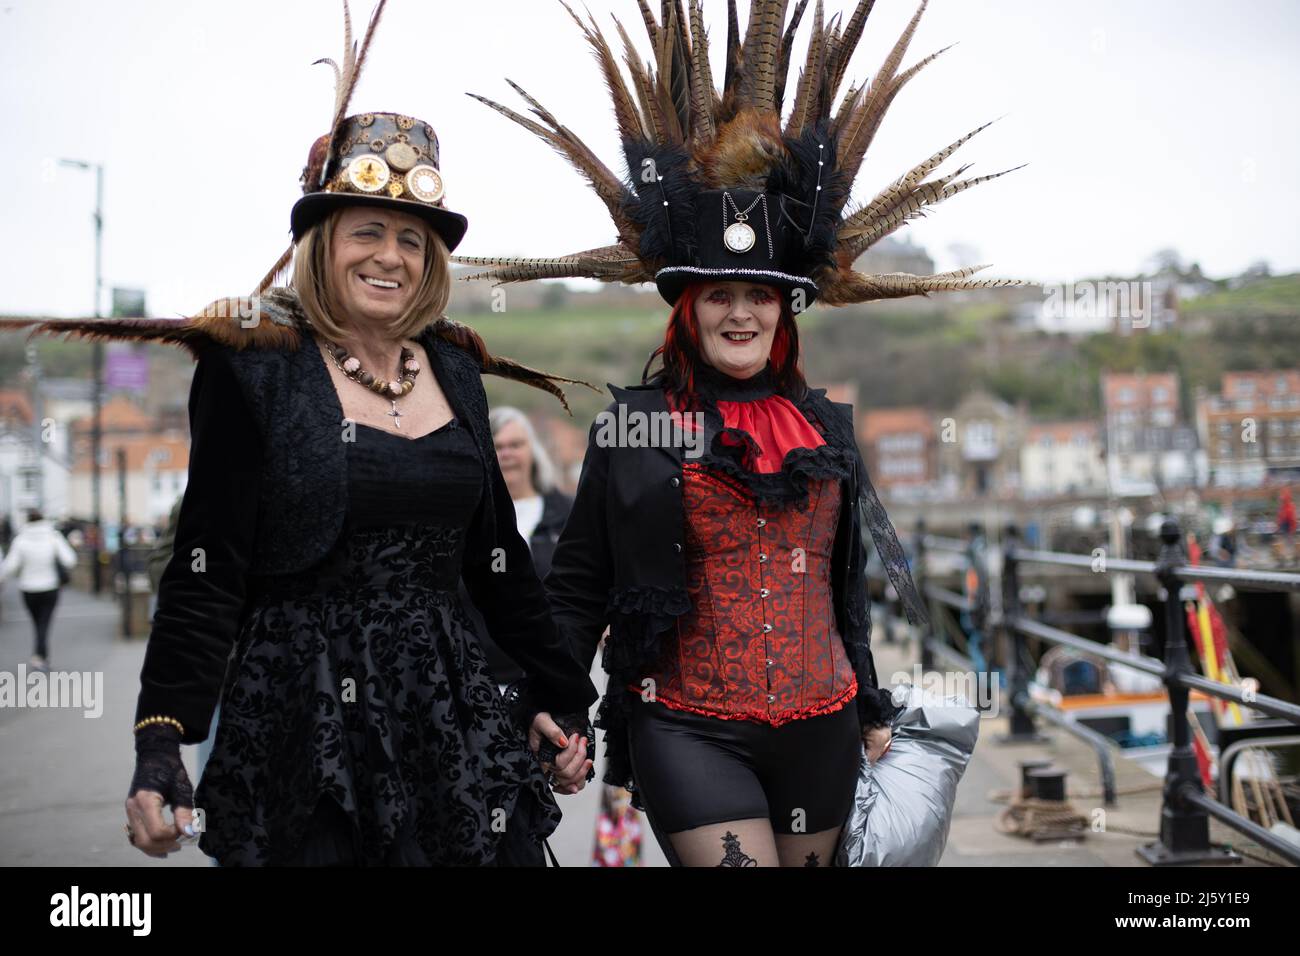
(902, 807)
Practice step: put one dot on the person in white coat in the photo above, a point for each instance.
(37, 553)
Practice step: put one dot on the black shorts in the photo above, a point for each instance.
(693, 770)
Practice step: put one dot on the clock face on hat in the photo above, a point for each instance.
(739, 237)
(368, 173)
(425, 183)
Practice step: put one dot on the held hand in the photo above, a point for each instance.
(571, 764)
(877, 740)
(149, 831)
(160, 779)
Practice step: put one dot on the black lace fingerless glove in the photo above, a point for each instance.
(524, 708)
(876, 707)
(158, 765)
(572, 725)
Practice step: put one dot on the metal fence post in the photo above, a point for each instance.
(1021, 722)
(1184, 827)
(921, 577)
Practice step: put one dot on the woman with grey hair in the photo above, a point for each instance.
(540, 510)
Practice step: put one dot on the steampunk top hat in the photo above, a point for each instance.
(377, 159)
(369, 159)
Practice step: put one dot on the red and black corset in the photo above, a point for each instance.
(762, 506)
(760, 641)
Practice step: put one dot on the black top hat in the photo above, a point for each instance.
(377, 159)
(741, 235)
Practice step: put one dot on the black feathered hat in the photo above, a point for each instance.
(719, 184)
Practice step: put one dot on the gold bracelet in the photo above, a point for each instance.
(159, 720)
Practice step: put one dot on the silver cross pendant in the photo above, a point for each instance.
(396, 416)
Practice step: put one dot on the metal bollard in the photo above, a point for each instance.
(1047, 783)
(1026, 768)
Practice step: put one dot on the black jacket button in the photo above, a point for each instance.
(674, 481)
(677, 548)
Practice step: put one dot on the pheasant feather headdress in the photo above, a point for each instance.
(719, 184)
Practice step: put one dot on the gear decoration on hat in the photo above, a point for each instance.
(687, 144)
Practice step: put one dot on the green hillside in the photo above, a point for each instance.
(924, 352)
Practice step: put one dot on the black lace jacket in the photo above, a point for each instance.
(621, 563)
(267, 495)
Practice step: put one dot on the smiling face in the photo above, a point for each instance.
(737, 322)
(376, 263)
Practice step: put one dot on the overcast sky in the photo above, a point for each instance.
(1145, 123)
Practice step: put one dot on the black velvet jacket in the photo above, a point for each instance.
(267, 495)
(620, 561)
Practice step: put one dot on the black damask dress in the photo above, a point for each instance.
(359, 722)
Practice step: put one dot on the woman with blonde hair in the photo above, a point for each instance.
(342, 480)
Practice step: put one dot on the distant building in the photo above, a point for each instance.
(979, 447)
(1147, 441)
(33, 461)
(1062, 458)
(1120, 306)
(898, 446)
(157, 468)
(1251, 430)
(157, 464)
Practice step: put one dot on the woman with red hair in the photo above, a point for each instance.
(729, 567)
(742, 688)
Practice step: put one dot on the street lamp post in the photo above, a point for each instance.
(96, 431)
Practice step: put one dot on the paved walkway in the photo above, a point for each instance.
(64, 776)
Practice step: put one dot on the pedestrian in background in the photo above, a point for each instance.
(540, 512)
(42, 559)
(1284, 542)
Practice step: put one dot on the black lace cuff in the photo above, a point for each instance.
(158, 766)
(876, 707)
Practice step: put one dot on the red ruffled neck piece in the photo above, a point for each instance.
(770, 426)
(776, 426)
